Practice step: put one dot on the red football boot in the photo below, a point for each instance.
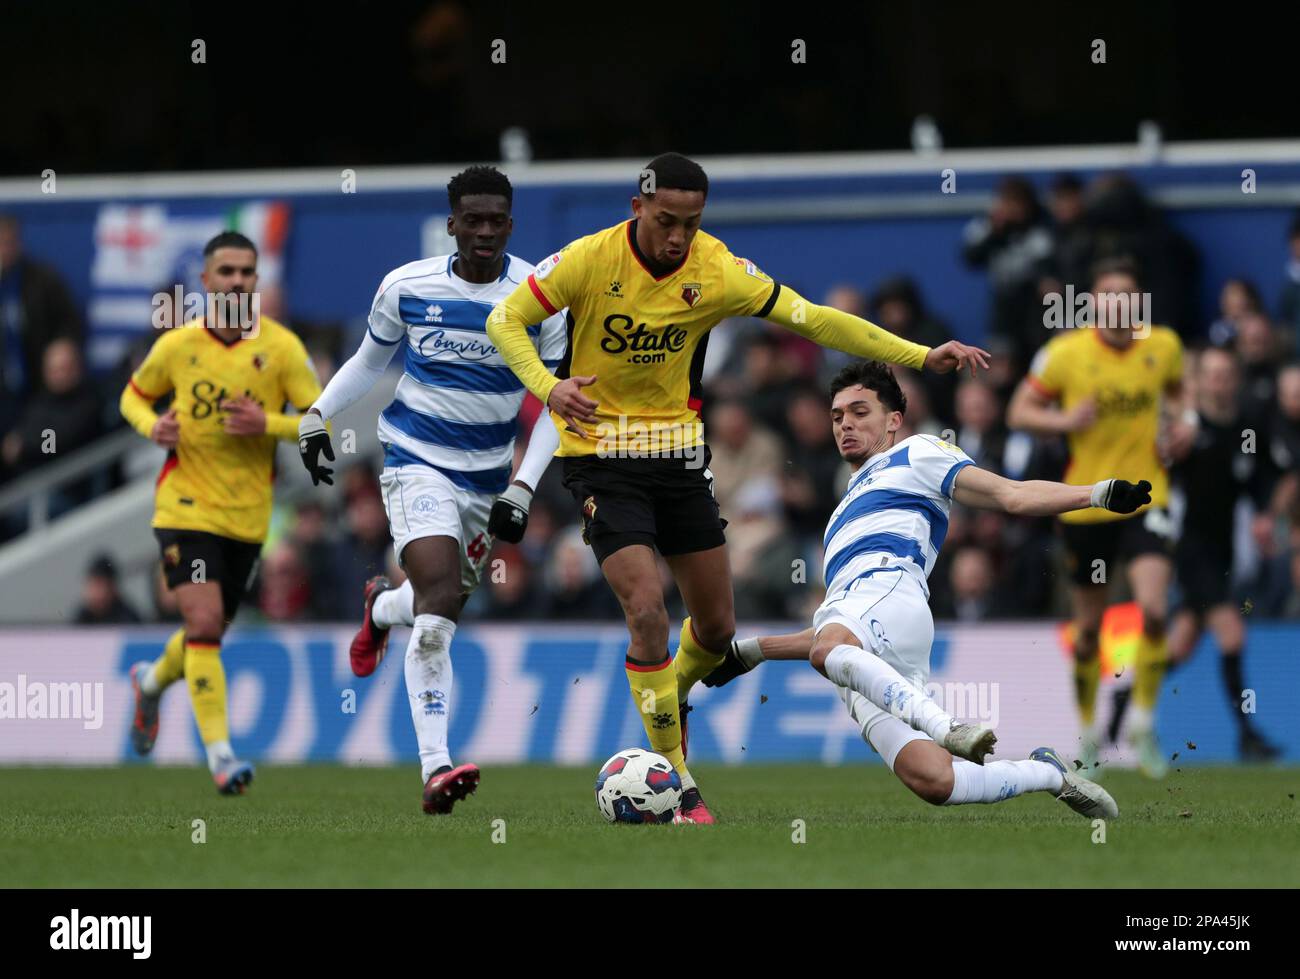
(448, 786)
(369, 644)
(693, 810)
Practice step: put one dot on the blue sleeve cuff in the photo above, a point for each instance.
(957, 467)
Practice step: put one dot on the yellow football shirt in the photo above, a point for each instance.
(1127, 385)
(213, 481)
(644, 335)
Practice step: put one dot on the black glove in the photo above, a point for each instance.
(313, 439)
(509, 517)
(1119, 496)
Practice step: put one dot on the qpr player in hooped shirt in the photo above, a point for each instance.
(448, 439)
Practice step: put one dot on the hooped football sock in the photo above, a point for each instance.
(206, 678)
(693, 662)
(167, 668)
(428, 686)
(884, 686)
(654, 691)
(997, 781)
(1087, 678)
(1150, 662)
(396, 606)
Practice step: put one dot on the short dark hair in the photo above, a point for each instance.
(229, 239)
(480, 179)
(672, 171)
(874, 376)
(1115, 265)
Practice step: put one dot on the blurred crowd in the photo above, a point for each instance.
(777, 475)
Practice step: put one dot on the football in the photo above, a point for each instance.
(638, 786)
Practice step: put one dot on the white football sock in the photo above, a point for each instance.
(394, 607)
(428, 685)
(219, 752)
(149, 683)
(997, 781)
(884, 686)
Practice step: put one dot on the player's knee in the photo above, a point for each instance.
(205, 623)
(930, 781)
(443, 599)
(817, 655)
(647, 621)
(714, 633)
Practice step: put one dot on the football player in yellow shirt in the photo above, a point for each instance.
(1105, 387)
(230, 374)
(641, 298)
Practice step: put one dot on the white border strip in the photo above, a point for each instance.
(328, 180)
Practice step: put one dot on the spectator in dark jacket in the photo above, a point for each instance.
(1124, 222)
(101, 602)
(63, 417)
(35, 309)
(897, 306)
(1071, 238)
(1013, 243)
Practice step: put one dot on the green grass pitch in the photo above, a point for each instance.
(325, 826)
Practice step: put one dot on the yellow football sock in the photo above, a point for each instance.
(1087, 677)
(693, 662)
(170, 666)
(1151, 659)
(654, 690)
(207, 682)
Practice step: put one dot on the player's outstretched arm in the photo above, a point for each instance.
(979, 488)
(509, 517)
(745, 654)
(793, 645)
(507, 328)
(349, 384)
(834, 328)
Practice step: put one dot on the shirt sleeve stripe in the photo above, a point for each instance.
(151, 398)
(541, 296)
(378, 339)
(957, 467)
(771, 302)
(1040, 387)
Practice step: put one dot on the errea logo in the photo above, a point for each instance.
(433, 314)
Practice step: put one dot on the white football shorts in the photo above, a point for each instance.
(422, 502)
(888, 612)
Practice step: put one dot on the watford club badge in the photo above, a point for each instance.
(589, 508)
(691, 293)
(172, 555)
(259, 361)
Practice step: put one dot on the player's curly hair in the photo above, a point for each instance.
(479, 180)
(874, 376)
(672, 171)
